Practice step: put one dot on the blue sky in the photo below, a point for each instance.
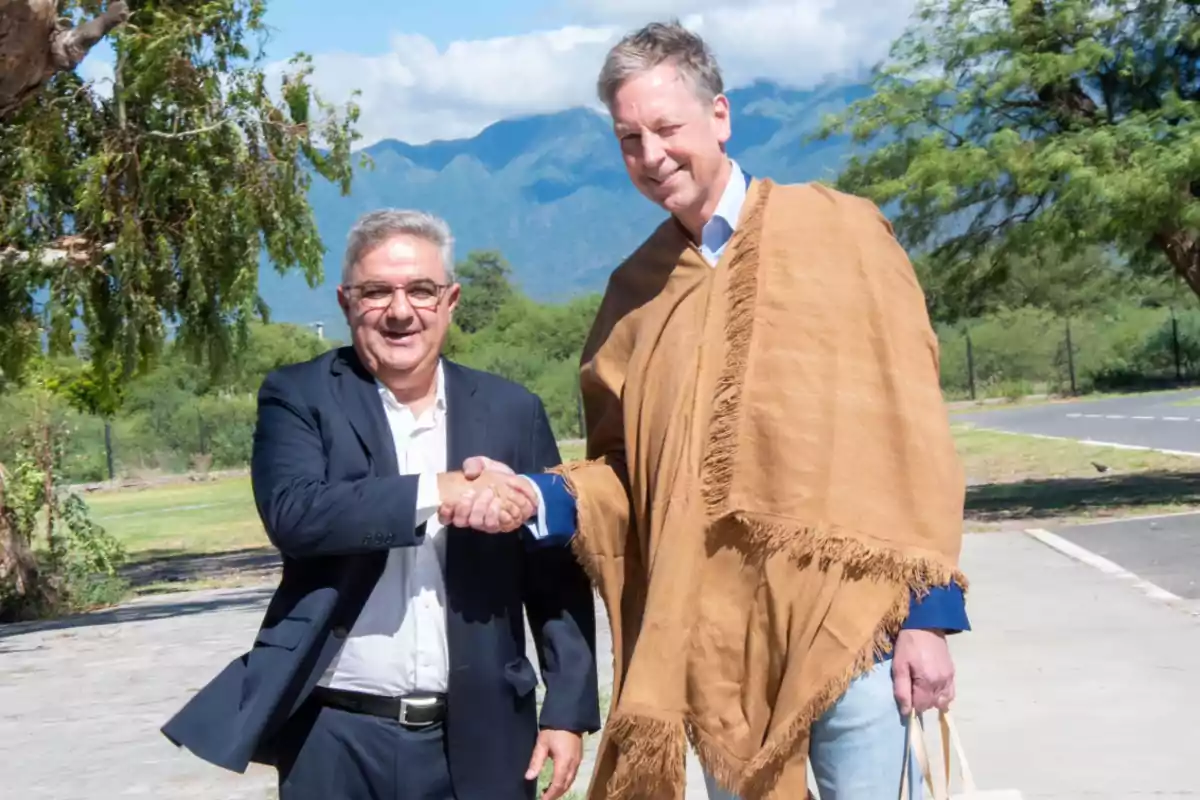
(364, 26)
(448, 68)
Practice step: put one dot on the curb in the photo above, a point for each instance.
(1110, 568)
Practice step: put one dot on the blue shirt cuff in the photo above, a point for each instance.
(942, 608)
(556, 510)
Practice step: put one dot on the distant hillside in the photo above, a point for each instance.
(549, 191)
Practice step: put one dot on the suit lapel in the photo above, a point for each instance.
(359, 397)
(466, 431)
(466, 436)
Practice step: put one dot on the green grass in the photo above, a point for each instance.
(215, 516)
(1016, 481)
(995, 457)
(202, 526)
(193, 517)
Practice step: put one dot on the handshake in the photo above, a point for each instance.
(487, 496)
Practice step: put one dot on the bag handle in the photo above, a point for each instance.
(915, 746)
(949, 737)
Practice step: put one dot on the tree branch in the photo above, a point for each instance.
(34, 45)
(185, 134)
(78, 251)
(68, 46)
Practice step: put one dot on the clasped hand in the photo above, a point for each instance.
(486, 496)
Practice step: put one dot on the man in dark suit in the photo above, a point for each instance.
(391, 660)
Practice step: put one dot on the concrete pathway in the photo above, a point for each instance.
(1073, 686)
(1162, 550)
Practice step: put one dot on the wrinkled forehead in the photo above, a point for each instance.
(658, 97)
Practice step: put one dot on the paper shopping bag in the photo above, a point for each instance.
(941, 790)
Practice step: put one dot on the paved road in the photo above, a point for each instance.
(1146, 420)
(1164, 551)
(1072, 686)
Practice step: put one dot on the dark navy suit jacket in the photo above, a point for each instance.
(326, 484)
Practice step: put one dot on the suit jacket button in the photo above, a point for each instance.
(340, 632)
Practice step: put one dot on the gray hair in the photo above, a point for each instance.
(376, 227)
(655, 44)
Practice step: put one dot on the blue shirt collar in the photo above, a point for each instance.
(717, 232)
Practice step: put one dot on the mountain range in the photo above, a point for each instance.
(548, 191)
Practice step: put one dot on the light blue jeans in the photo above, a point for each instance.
(857, 746)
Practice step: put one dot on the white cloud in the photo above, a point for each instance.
(417, 92)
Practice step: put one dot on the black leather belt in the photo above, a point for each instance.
(413, 711)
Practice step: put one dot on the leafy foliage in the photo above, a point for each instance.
(537, 345)
(76, 559)
(1115, 346)
(1004, 130)
(486, 280)
(149, 207)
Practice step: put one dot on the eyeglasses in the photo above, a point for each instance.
(420, 294)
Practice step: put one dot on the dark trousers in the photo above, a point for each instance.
(330, 754)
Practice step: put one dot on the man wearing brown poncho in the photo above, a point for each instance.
(771, 505)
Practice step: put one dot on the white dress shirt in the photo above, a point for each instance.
(398, 643)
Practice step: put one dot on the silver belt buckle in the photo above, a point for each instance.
(413, 702)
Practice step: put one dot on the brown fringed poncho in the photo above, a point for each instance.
(770, 472)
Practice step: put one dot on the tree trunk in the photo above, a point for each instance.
(35, 44)
(1182, 249)
(22, 592)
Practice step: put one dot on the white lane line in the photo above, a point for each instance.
(1140, 518)
(1117, 445)
(1085, 556)
(1077, 415)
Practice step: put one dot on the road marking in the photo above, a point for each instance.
(1077, 415)
(1117, 445)
(1083, 555)
(1140, 518)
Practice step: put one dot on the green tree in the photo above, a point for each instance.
(1001, 130)
(269, 347)
(1087, 279)
(144, 211)
(486, 280)
(150, 206)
